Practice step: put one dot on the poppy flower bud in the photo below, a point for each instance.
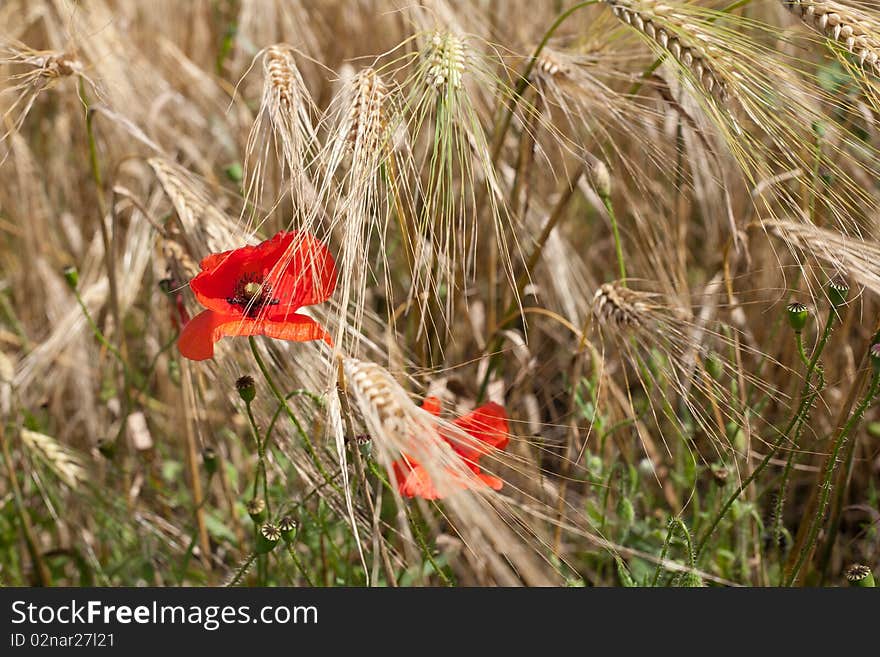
(209, 459)
(234, 172)
(600, 178)
(267, 538)
(860, 575)
(720, 473)
(107, 448)
(71, 275)
(797, 316)
(714, 366)
(246, 388)
(827, 177)
(837, 291)
(818, 129)
(875, 357)
(256, 509)
(167, 286)
(626, 513)
(287, 527)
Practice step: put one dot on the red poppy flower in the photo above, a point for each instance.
(487, 424)
(256, 290)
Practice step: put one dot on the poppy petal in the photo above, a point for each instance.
(492, 482)
(297, 267)
(432, 405)
(294, 327)
(304, 273)
(413, 480)
(197, 339)
(488, 425)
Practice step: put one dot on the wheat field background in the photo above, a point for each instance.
(640, 236)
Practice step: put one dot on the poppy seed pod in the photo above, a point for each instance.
(247, 390)
(267, 538)
(860, 575)
(287, 527)
(874, 352)
(256, 509)
(837, 292)
(797, 316)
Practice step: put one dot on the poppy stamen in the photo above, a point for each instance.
(252, 294)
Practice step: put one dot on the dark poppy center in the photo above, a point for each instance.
(252, 294)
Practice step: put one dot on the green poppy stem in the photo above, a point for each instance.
(310, 448)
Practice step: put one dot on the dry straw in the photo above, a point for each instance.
(858, 256)
(42, 70)
(284, 123)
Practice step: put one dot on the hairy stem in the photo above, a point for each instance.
(828, 474)
(310, 448)
(774, 448)
(618, 248)
(40, 570)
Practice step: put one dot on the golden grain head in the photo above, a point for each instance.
(445, 61)
(60, 459)
(377, 389)
(619, 307)
(280, 69)
(367, 114)
(660, 23)
(550, 64)
(847, 26)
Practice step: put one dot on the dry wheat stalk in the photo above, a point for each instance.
(205, 226)
(284, 123)
(685, 41)
(479, 515)
(853, 29)
(46, 65)
(357, 147)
